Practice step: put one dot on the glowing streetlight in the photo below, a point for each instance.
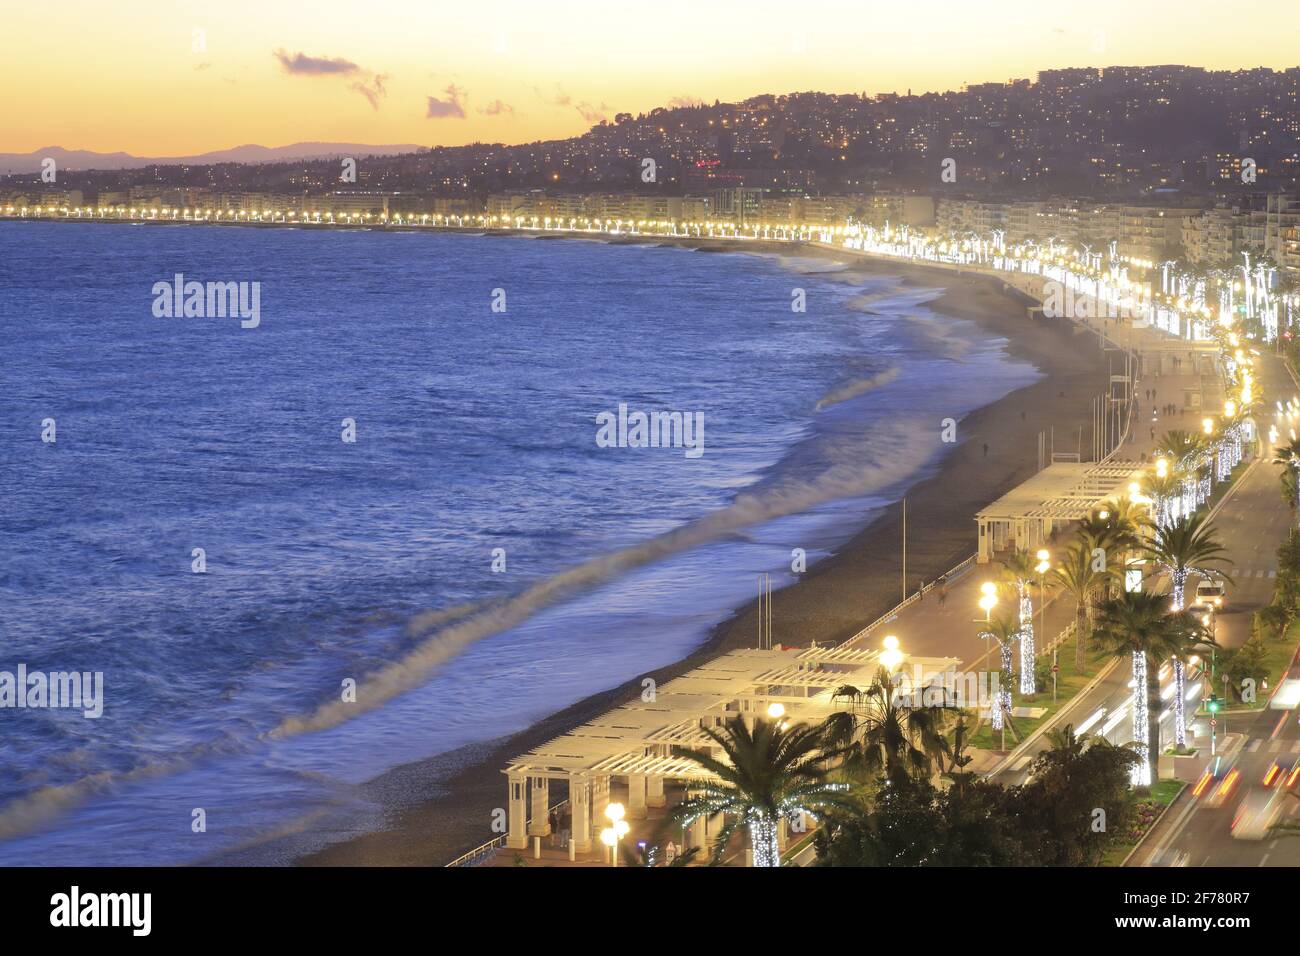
(1162, 468)
(1208, 425)
(988, 598)
(776, 710)
(891, 656)
(615, 831)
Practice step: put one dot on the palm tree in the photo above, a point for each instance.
(1140, 625)
(1289, 455)
(1187, 546)
(1188, 451)
(1005, 632)
(1079, 575)
(1116, 529)
(1019, 570)
(1190, 545)
(1165, 491)
(883, 731)
(769, 774)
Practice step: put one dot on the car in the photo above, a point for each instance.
(1218, 783)
(1256, 814)
(1282, 777)
(1210, 594)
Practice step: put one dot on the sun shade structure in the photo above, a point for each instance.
(636, 741)
(1025, 516)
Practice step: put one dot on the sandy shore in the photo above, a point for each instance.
(438, 808)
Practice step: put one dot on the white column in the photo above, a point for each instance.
(599, 801)
(654, 794)
(516, 838)
(540, 825)
(580, 805)
(636, 796)
(699, 834)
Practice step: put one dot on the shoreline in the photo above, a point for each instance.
(441, 806)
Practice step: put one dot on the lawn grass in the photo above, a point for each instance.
(1278, 652)
(1162, 794)
(1069, 682)
(1221, 489)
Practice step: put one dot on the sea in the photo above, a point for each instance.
(379, 524)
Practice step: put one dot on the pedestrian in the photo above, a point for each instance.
(920, 590)
(566, 829)
(943, 589)
(670, 852)
(553, 820)
(986, 449)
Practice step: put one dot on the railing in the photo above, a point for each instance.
(889, 615)
(480, 853)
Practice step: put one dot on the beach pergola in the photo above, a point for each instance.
(637, 742)
(1025, 516)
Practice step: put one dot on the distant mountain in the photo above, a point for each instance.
(80, 159)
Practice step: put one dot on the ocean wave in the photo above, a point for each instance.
(859, 387)
(898, 453)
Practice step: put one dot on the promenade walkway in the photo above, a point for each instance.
(1176, 385)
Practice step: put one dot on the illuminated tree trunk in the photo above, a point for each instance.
(762, 837)
(1002, 707)
(1179, 577)
(1141, 721)
(1180, 703)
(1027, 651)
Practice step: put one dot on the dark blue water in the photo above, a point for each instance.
(373, 561)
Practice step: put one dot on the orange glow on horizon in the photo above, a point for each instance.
(156, 78)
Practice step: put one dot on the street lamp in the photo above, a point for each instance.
(988, 599)
(615, 831)
(891, 656)
(776, 710)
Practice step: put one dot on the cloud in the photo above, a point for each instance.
(558, 98)
(592, 114)
(201, 66)
(453, 107)
(683, 102)
(300, 64)
(497, 108)
(372, 91)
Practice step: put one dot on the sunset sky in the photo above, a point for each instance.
(127, 76)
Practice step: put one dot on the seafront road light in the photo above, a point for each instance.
(988, 599)
(776, 710)
(1208, 425)
(891, 656)
(615, 831)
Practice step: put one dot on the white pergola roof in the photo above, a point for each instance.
(1063, 491)
(638, 737)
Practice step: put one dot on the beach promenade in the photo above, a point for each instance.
(1175, 385)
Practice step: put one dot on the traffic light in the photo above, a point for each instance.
(1212, 704)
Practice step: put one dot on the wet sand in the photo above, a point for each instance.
(438, 808)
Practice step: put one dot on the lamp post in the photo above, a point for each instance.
(615, 831)
(891, 656)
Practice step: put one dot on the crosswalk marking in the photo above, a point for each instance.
(1295, 747)
(1275, 746)
(1253, 746)
(1272, 574)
